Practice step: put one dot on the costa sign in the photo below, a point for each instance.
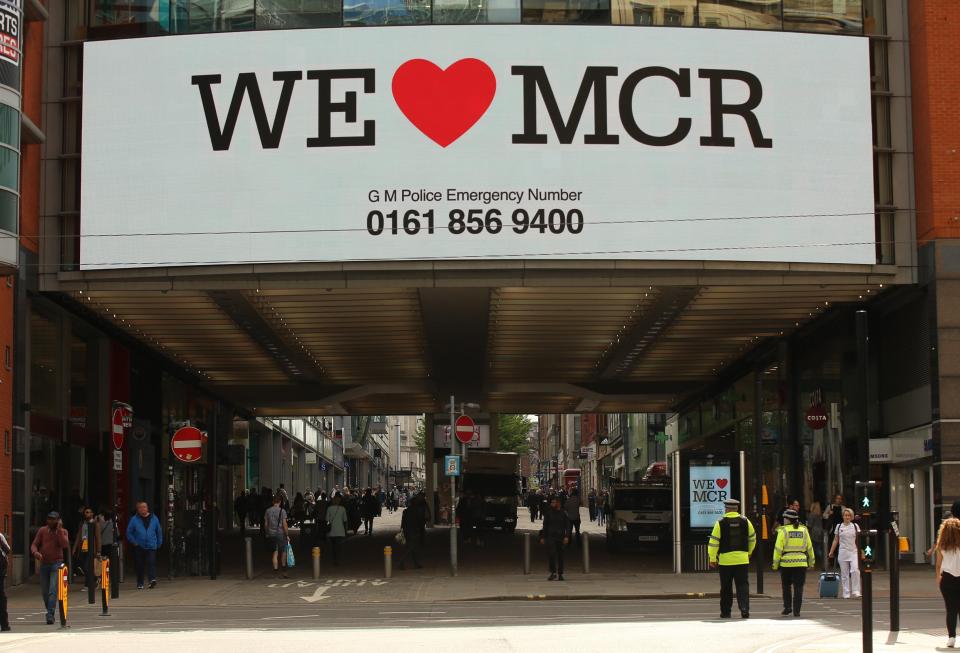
(501, 141)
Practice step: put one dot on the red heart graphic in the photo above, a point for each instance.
(722, 483)
(444, 104)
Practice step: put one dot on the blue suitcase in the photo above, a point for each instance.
(829, 585)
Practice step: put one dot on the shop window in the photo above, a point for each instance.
(741, 14)
(79, 381)
(359, 13)
(476, 11)
(585, 12)
(831, 16)
(297, 14)
(215, 16)
(670, 13)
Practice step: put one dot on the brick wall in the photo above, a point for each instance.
(935, 74)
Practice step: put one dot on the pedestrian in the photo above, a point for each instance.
(144, 533)
(604, 508)
(86, 546)
(47, 549)
(730, 546)
(336, 527)
(592, 505)
(555, 534)
(833, 517)
(278, 535)
(413, 523)
(948, 574)
(369, 506)
(815, 526)
(284, 498)
(572, 508)
(533, 503)
(108, 532)
(792, 504)
(240, 507)
(793, 554)
(845, 541)
(4, 564)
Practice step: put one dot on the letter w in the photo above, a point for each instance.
(246, 84)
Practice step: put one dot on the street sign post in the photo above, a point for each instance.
(464, 429)
(865, 495)
(186, 445)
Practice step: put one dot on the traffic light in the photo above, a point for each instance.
(865, 495)
(868, 550)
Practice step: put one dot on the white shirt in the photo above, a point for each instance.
(951, 562)
(847, 534)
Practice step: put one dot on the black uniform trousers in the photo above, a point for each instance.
(731, 575)
(792, 580)
(4, 618)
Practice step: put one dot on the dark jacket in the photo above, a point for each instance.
(413, 521)
(556, 525)
(369, 505)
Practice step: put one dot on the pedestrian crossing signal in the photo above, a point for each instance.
(866, 497)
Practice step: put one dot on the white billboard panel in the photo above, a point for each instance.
(485, 142)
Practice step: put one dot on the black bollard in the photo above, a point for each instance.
(894, 568)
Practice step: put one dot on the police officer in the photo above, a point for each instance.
(730, 546)
(793, 554)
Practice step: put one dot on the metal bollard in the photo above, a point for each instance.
(585, 539)
(315, 553)
(453, 550)
(526, 553)
(248, 554)
(63, 593)
(388, 562)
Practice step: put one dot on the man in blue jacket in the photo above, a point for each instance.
(144, 534)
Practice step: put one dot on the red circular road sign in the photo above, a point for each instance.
(117, 428)
(187, 444)
(464, 428)
(816, 417)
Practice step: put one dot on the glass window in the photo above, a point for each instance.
(44, 365)
(9, 167)
(215, 16)
(9, 126)
(126, 12)
(567, 11)
(741, 14)
(293, 14)
(834, 16)
(79, 382)
(476, 11)
(8, 212)
(386, 12)
(670, 13)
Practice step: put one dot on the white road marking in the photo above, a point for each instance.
(318, 595)
(413, 612)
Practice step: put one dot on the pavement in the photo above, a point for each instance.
(493, 571)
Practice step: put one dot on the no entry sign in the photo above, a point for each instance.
(117, 428)
(464, 428)
(187, 444)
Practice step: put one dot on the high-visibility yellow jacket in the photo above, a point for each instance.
(794, 547)
(728, 552)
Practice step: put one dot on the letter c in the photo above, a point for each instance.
(680, 79)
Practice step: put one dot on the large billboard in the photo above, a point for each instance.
(476, 142)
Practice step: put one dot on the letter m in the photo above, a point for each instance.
(220, 137)
(594, 78)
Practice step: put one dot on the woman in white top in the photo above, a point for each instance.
(948, 573)
(845, 539)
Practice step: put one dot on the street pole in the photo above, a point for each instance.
(894, 569)
(758, 476)
(453, 491)
(863, 373)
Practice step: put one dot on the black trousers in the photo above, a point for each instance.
(555, 548)
(4, 617)
(792, 580)
(731, 575)
(950, 589)
(414, 545)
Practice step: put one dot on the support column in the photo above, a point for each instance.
(428, 460)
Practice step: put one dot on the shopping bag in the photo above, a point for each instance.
(291, 561)
(400, 538)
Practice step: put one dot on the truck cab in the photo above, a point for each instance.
(493, 477)
(641, 515)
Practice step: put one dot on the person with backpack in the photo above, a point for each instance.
(845, 536)
(730, 546)
(793, 555)
(275, 523)
(336, 527)
(948, 573)
(4, 563)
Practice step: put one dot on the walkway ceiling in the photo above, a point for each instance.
(526, 338)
